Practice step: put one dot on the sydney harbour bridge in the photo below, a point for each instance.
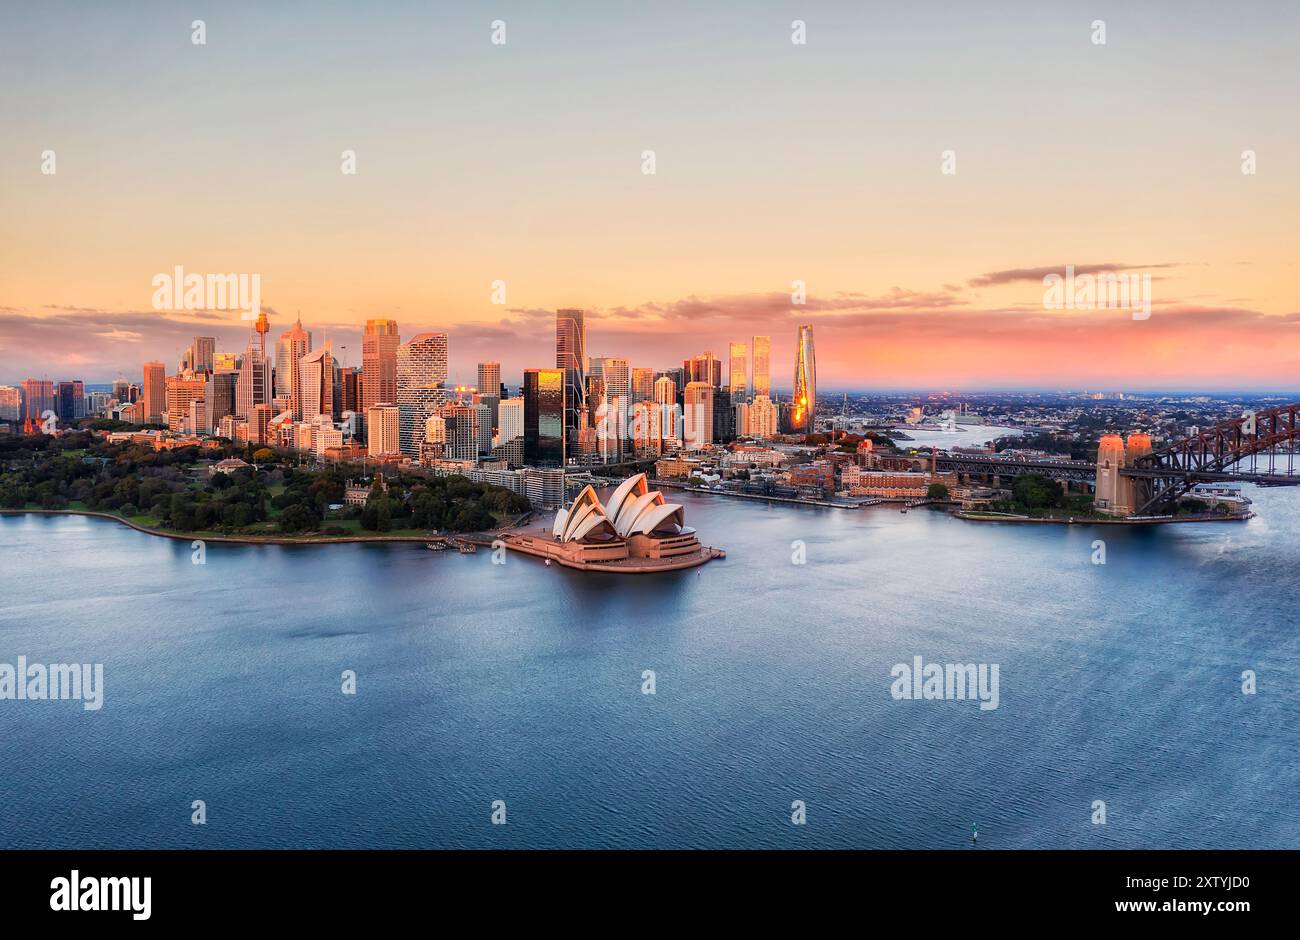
(1257, 447)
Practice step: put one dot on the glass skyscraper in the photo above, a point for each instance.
(544, 417)
(571, 357)
(804, 404)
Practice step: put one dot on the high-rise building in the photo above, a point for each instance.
(738, 371)
(383, 424)
(647, 429)
(742, 418)
(642, 385)
(489, 388)
(617, 376)
(571, 356)
(724, 417)
(154, 393)
(226, 361)
(350, 390)
(11, 403)
(421, 385)
(665, 390)
(254, 385)
(121, 390)
(703, 368)
(319, 389)
(70, 400)
(290, 348)
(698, 428)
(544, 416)
(510, 415)
(198, 358)
(762, 417)
(219, 395)
(762, 371)
(182, 391)
(461, 422)
(379, 346)
(804, 401)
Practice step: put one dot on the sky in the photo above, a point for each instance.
(775, 162)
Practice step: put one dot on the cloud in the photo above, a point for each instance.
(1036, 275)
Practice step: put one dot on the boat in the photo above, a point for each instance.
(436, 546)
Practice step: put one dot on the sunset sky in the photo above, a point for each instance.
(775, 162)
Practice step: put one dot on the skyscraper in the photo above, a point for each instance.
(762, 371)
(11, 403)
(618, 380)
(738, 372)
(421, 386)
(698, 429)
(762, 418)
(319, 388)
(571, 356)
(379, 364)
(182, 391)
(383, 425)
(544, 415)
(154, 393)
(643, 385)
(511, 416)
(804, 402)
(292, 345)
(71, 400)
(201, 353)
(703, 368)
(489, 387)
(665, 390)
(254, 385)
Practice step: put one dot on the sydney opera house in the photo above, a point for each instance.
(636, 530)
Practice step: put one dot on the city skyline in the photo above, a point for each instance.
(914, 277)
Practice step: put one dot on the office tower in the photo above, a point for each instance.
(804, 402)
(318, 385)
(70, 400)
(704, 368)
(665, 390)
(698, 422)
(571, 356)
(647, 429)
(489, 388)
(762, 417)
(383, 424)
(198, 358)
(544, 416)
(120, 390)
(642, 385)
(290, 348)
(219, 396)
(259, 423)
(349, 389)
(227, 361)
(182, 391)
(724, 416)
(421, 385)
(484, 425)
(154, 393)
(742, 418)
(617, 377)
(762, 351)
(461, 424)
(254, 385)
(11, 403)
(738, 371)
(510, 415)
(671, 425)
(379, 346)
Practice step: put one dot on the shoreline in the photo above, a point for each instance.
(1091, 520)
(239, 539)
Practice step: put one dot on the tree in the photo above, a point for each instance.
(1034, 491)
(936, 491)
(263, 454)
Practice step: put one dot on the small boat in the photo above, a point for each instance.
(436, 546)
(548, 562)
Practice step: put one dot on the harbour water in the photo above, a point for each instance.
(524, 683)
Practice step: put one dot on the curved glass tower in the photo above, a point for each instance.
(804, 404)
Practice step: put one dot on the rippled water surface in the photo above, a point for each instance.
(478, 682)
